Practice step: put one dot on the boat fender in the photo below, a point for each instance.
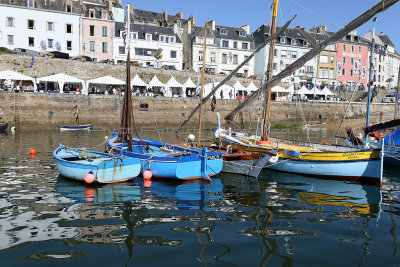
(274, 159)
(229, 149)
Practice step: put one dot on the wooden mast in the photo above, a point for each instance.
(202, 82)
(267, 109)
(125, 134)
(396, 102)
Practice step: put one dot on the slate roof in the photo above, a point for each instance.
(142, 29)
(151, 17)
(260, 35)
(386, 40)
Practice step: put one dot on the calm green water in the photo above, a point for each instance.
(275, 220)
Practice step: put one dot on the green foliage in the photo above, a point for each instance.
(4, 50)
(280, 126)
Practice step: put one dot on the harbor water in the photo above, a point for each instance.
(275, 220)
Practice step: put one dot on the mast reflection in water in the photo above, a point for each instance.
(277, 219)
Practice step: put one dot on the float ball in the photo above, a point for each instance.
(105, 137)
(325, 143)
(89, 178)
(147, 175)
(32, 152)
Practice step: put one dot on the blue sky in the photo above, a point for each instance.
(332, 13)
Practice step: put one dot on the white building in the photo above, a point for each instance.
(147, 43)
(392, 62)
(289, 47)
(226, 48)
(41, 27)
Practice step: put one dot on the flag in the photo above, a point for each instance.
(32, 61)
(373, 80)
(375, 19)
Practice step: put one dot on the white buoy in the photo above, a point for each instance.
(191, 137)
(13, 129)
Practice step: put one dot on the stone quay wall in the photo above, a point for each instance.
(44, 110)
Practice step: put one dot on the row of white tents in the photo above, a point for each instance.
(170, 89)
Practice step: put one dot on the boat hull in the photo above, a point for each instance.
(187, 164)
(3, 126)
(106, 169)
(75, 128)
(239, 164)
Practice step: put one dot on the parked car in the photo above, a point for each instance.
(82, 58)
(27, 52)
(169, 67)
(109, 61)
(240, 75)
(56, 54)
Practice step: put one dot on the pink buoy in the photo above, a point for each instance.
(147, 175)
(89, 178)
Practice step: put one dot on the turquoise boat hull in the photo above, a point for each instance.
(105, 167)
(168, 161)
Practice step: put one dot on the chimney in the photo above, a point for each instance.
(110, 5)
(179, 15)
(382, 33)
(189, 26)
(211, 25)
(300, 28)
(164, 19)
(246, 28)
(192, 19)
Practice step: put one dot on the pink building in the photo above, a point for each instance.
(352, 61)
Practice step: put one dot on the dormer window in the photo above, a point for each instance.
(172, 39)
(179, 24)
(134, 35)
(148, 37)
(31, 3)
(162, 38)
(282, 40)
(69, 8)
(224, 31)
(242, 34)
(293, 42)
(104, 14)
(305, 43)
(142, 20)
(91, 13)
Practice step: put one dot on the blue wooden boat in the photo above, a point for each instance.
(169, 161)
(75, 128)
(75, 163)
(392, 147)
(3, 126)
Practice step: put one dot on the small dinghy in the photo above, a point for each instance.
(75, 128)
(91, 166)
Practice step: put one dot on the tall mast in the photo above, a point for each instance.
(267, 110)
(396, 102)
(371, 68)
(202, 82)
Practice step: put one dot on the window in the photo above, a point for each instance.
(235, 59)
(245, 46)
(343, 72)
(31, 41)
(167, 39)
(10, 22)
(91, 13)
(50, 26)
(172, 39)
(31, 3)
(323, 59)
(31, 24)
(200, 39)
(104, 47)
(283, 53)
(10, 39)
(274, 66)
(104, 31)
(332, 59)
(344, 47)
(282, 40)
(50, 43)
(352, 49)
(69, 45)
(68, 28)
(359, 49)
(293, 42)
(134, 35)
(121, 50)
(242, 34)
(179, 24)
(92, 46)
(91, 30)
(294, 54)
(162, 38)
(104, 14)
(69, 8)
(351, 72)
(213, 57)
(225, 43)
(224, 58)
(173, 54)
(224, 31)
(344, 61)
(275, 53)
(201, 55)
(305, 43)
(351, 61)
(245, 58)
(235, 44)
(148, 37)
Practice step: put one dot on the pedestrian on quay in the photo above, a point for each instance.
(221, 94)
(213, 103)
(230, 94)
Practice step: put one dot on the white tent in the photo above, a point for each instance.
(189, 83)
(136, 81)
(61, 79)
(252, 88)
(279, 89)
(155, 82)
(15, 76)
(190, 88)
(315, 91)
(105, 80)
(224, 88)
(326, 92)
(303, 91)
(240, 89)
(175, 88)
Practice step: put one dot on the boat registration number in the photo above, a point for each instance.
(213, 157)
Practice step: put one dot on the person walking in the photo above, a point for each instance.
(213, 103)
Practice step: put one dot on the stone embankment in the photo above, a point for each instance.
(43, 110)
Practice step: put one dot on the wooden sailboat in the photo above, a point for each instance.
(330, 161)
(160, 159)
(77, 127)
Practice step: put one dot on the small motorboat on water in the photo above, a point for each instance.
(75, 128)
(76, 163)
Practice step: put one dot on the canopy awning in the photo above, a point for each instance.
(239, 87)
(155, 82)
(225, 89)
(252, 87)
(12, 75)
(173, 83)
(327, 92)
(61, 79)
(303, 91)
(316, 91)
(136, 81)
(189, 83)
(278, 89)
(106, 80)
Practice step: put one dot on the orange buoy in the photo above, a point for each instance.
(147, 174)
(89, 177)
(147, 183)
(325, 143)
(269, 142)
(32, 152)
